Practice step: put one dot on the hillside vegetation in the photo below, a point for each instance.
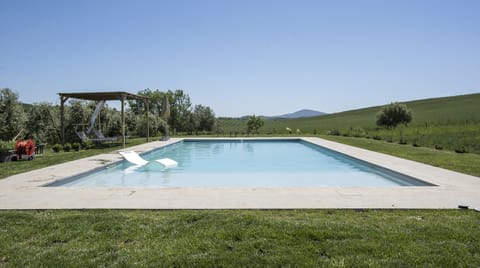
(450, 123)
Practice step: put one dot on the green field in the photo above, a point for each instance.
(450, 122)
(240, 238)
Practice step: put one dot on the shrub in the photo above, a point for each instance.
(334, 132)
(254, 123)
(461, 150)
(76, 146)
(402, 141)
(67, 147)
(6, 146)
(389, 139)
(438, 147)
(394, 114)
(357, 132)
(87, 145)
(416, 143)
(376, 137)
(56, 148)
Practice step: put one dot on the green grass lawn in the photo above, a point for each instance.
(466, 163)
(50, 158)
(247, 238)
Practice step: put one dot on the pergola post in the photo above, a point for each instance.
(148, 121)
(123, 120)
(62, 117)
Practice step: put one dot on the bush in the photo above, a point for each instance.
(357, 132)
(416, 143)
(402, 141)
(376, 137)
(438, 147)
(6, 146)
(254, 123)
(56, 148)
(87, 145)
(394, 114)
(67, 147)
(76, 146)
(334, 132)
(461, 150)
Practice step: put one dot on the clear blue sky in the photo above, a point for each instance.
(247, 56)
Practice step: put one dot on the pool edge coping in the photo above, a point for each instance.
(465, 189)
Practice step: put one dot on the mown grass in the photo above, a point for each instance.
(50, 158)
(466, 163)
(219, 238)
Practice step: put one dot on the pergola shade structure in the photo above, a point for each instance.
(99, 96)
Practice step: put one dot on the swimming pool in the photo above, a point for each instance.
(244, 163)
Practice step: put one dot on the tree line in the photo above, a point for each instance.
(41, 121)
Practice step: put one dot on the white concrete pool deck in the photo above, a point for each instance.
(25, 191)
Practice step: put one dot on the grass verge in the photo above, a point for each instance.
(465, 163)
(216, 238)
(49, 158)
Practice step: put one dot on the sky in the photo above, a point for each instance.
(244, 57)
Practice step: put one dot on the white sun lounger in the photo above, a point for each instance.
(137, 160)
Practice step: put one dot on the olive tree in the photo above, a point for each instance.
(254, 123)
(204, 118)
(157, 126)
(42, 123)
(394, 114)
(180, 110)
(77, 118)
(12, 114)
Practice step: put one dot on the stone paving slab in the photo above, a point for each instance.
(25, 191)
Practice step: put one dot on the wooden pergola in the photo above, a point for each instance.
(99, 96)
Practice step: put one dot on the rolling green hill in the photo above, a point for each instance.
(449, 122)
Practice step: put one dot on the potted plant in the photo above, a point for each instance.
(6, 150)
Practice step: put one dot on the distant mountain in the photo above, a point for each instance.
(300, 114)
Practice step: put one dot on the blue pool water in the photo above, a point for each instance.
(237, 163)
